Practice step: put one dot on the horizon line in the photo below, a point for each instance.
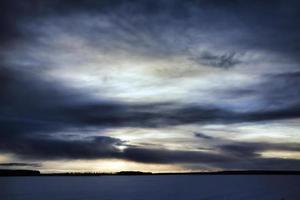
(22, 172)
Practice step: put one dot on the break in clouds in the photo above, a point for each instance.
(196, 84)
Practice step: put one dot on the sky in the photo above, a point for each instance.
(160, 86)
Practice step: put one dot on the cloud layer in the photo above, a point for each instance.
(72, 73)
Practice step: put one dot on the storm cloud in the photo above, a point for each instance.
(71, 72)
(19, 165)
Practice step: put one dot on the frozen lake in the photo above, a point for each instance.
(173, 187)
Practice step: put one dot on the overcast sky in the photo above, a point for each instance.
(149, 85)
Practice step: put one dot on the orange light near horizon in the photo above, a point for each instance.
(106, 165)
(281, 154)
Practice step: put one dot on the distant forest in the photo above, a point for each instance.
(10, 172)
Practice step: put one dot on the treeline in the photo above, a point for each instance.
(8, 172)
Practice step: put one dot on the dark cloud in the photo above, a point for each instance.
(278, 95)
(259, 163)
(203, 136)
(247, 150)
(234, 155)
(173, 156)
(48, 148)
(222, 61)
(20, 165)
(44, 148)
(289, 112)
(248, 155)
(252, 149)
